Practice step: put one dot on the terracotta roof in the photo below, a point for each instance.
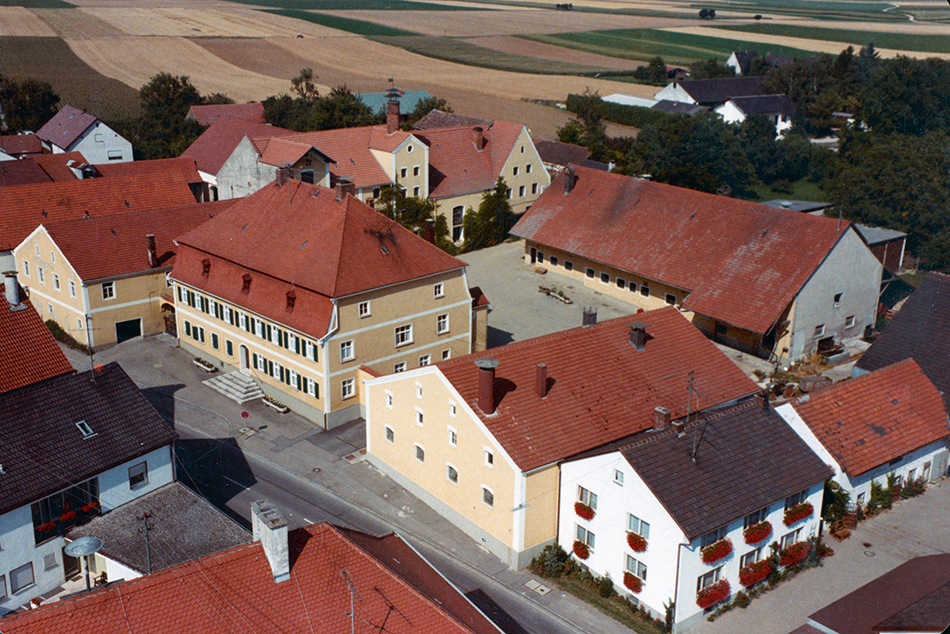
(601, 388)
(278, 151)
(43, 451)
(765, 104)
(28, 352)
(25, 207)
(66, 126)
(877, 417)
(208, 114)
(441, 119)
(867, 607)
(299, 236)
(56, 165)
(183, 165)
(235, 590)
(22, 172)
(16, 144)
(920, 331)
(748, 458)
(557, 153)
(755, 258)
(711, 92)
(217, 143)
(478, 297)
(457, 167)
(107, 246)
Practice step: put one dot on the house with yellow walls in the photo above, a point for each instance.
(103, 278)
(772, 282)
(298, 286)
(481, 438)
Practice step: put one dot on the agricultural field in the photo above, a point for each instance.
(19, 22)
(36, 4)
(76, 23)
(189, 22)
(559, 54)
(340, 23)
(903, 40)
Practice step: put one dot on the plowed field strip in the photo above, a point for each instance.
(20, 22)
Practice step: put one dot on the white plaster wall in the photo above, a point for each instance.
(242, 174)
(114, 570)
(18, 547)
(114, 484)
(97, 152)
(729, 113)
(674, 92)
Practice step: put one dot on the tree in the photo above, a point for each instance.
(26, 105)
(424, 107)
(812, 86)
(340, 109)
(491, 223)
(654, 71)
(304, 87)
(166, 98)
(710, 69)
(590, 130)
(707, 14)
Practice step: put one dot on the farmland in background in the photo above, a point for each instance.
(357, 5)
(358, 27)
(917, 42)
(36, 4)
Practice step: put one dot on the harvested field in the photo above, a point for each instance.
(908, 37)
(182, 22)
(348, 25)
(336, 5)
(50, 59)
(19, 22)
(134, 60)
(76, 23)
(259, 56)
(538, 50)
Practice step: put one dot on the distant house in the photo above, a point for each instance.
(21, 145)
(740, 60)
(75, 130)
(667, 512)
(678, 107)
(207, 114)
(778, 109)
(889, 421)
(556, 155)
(770, 282)
(710, 92)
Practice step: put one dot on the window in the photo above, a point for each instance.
(21, 578)
(415, 170)
(420, 454)
(618, 477)
(425, 360)
(925, 472)
(258, 327)
(364, 309)
(108, 289)
(645, 289)
(49, 561)
(849, 321)
(636, 568)
(438, 290)
(861, 497)
(313, 388)
(78, 323)
(452, 473)
(837, 300)
(795, 500)
(403, 335)
(276, 371)
(453, 437)
(452, 411)
(260, 363)
(540, 257)
(527, 168)
(706, 580)
(229, 347)
(521, 191)
(605, 278)
(403, 172)
(346, 351)
(242, 321)
(40, 277)
(712, 537)
(390, 434)
(553, 260)
(819, 330)
(26, 268)
(415, 192)
(37, 247)
(3, 587)
(348, 388)
(509, 193)
(489, 457)
(568, 265)
(621, 283)
(52, 257)
(755, 518)
(514, 171)
(446, 354)
(488, 497)
(399, 367)
(85, 429)
(442, 324)
(750, 557)
(72, 290)
(586, 497)
(638, 526)
(418, 390)
(585, 536)
(791, 538)
(376, 192)
(389, 399)
(590, 273)
(138, 475)
(50, 306)
(274, 335)
(56, 281)
(670, 298)
(534, 187)
(420, 417)
(911, 474)
(214, 341)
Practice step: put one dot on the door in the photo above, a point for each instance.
(125, 330)
(245, 356)
(534, 255)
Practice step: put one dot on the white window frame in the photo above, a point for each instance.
(586, 496)
(140, 476)
(72, 288)
(449, 470)
(26, 268)
(820, 330)
(618, 477)
(56, 281)
(402, 335)
(438, 290)
(442, 324)
(400, 367)
(258, 327)
(446, 354)
(275, 335)
(347, 350)
(418, 390)
(39, 275)
(488, 457)
(636, 567)
(750, 557)
(791, 538)
(488, 497)
(585, 536)
(638, 526)
(311, 387)
(389, 434)
(709, 578)
(453, 437)
(419, 452)
(389, 399)
(425, 360)
(420, 416)
(364, 309)
(849, 321)
(348, 388)
(452, 409)
(15, 573)
(755, 517)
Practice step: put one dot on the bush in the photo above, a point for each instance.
(634, 116)
(741, 601)
(605, 586)
(913, 488)
(553, 561)
(64, 337)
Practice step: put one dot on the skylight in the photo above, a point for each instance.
(85, 429)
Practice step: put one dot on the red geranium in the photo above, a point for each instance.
(717, 551)
(758, 532)
(798, 512)
(581, 549)
(88, 508)
(46, 527)
(68, 516)
(636, 542)
(755, 572)
(583, 510)
(711, 595)
(632, 582)
(794, 553)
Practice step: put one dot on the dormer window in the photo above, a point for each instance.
(291, 298)
(205, 267)
(85, 429)
(246, 283)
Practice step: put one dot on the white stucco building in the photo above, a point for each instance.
(75, 130)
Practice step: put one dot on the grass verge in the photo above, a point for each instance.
(800, 190)
(350, 5)
(37, 4)
(614, 607)
(64, 337)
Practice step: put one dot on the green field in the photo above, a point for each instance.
(833, 10)
(349, 5)
(37, 4)
(677, 48)
(50, 59)
(358, 27)
(902, 42)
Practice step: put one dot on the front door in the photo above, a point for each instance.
(534, 255)
(245, 356)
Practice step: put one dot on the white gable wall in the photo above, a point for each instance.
(100, 144)
(242, 174)
(674, 92)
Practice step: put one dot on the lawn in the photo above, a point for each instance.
(800, 190)
(358, 27)
(351, 5)
(677, 48)
(613, 608)
(915, 42)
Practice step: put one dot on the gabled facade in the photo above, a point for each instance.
(75, 130)
(778, 109)
(480, 438)
(775, 283)
(299, 286)
(710, 92)
(651, 504)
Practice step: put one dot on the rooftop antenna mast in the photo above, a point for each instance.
(689, 396)
(352, 607)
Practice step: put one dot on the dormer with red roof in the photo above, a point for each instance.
(75, 130)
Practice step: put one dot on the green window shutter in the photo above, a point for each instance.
(267, 332)
(283, 375)
(181, 293)
(229, 347)
(315, 353)
(297, 345)
(316, 389)
(299, 385)
(254, 361)
(286, 340)
(270, 368)
(187, 328)
(232, 313)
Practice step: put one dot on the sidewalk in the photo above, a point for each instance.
(297, 447)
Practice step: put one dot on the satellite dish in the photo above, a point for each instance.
(83, 547)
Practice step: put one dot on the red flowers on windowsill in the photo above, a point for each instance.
(757, 532)
(581, 549)
(755, 572)
(633, 583)
(711, 595)
(584, 511)
(794, 553)
(798, 512)
(46, 527)
(636, 542)
(89, 508)
(717, 551)
(68, 516)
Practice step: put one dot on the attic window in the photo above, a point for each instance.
(205, 267)
(246, 283)
(85, 429)
(291, 299)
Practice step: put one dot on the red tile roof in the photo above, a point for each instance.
(28, 352)
(22, 172)
(215, 145)
(601, 388)
(16, 144)
(279, 150)
(442, 119)
(183, 165)
(106, 246)
(206, 115)
(234, 590)
(299, 236)
(66, 126)
(754, 258)
(56, 165)
(877, 417)
(25, 207)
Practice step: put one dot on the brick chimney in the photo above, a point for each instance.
(152, 252)
(11, 288)
(486, 384)
(678, 426)
(541, 380)
(570, 178)
(344, 187)
(590, 317)
(392, 109)
(478, 138)
(270, 529)
(638, 335)
(430, 231)
(661, 418)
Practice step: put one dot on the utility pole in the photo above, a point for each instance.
(144, 518)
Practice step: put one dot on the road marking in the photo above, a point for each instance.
(233, 482)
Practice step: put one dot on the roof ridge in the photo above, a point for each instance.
(849, 381)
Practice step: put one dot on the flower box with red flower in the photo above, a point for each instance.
(758, 532)
(581, 549)
(583, 510)
(636, 543)
(90, 508)
(46, 527)
(711, 595)
(794, 554)
(717, 551)
(798, 512)
(67, 516)
(632, 582)
(755, 572)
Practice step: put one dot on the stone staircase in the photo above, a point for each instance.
(236, 386)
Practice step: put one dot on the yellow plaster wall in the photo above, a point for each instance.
(524, 156)
(541, 494)
(418, 157)
(50, 303)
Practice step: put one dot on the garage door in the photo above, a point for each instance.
(125, 330)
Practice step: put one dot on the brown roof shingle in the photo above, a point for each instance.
(557, 153)
(28, 352)
(208, 114)
(66, 126)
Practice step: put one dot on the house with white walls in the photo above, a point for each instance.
(75, 130)
(685, 512)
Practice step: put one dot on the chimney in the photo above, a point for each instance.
(590, 317)
(541, 380)
(486, 384)
(282, 173)
(478, 138)
(570, 178)
(638, 335)
(11, 288)
(430, 231)
(152, 253)
(392, 109)
(270, 529)
(661, 418)
(344, 187)
(678, 426)
(762, 398)
(99, 368)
